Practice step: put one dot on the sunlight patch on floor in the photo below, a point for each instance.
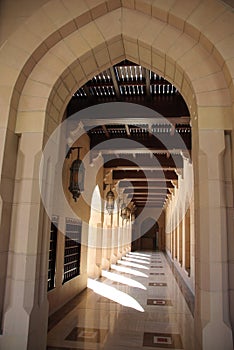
(140, 254)
(135, 260)
(128, 263)
(128, 270)
(125, 280)
(114, 294)
(134, 256)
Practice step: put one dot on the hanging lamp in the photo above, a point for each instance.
(77, 174)
(125, 212)
(110, 201)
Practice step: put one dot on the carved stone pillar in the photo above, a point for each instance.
(212, 324)
(26, 306)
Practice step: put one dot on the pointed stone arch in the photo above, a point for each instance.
(77, 43)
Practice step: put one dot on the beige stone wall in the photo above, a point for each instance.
(105, 238)
(13, 13)
(63, 292)
(180, 225)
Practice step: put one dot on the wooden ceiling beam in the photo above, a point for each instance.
(146, 184)
(167, 105)
(147, 195)
(148, 199)
(86, 90)
(139, 205)
(147, 81)
(106, 131)
(137, 191)
(162, 160)
(144, 82)
(127, 130)
(152, 175)
(149, 202)
(115, 83)
(132, 120)
(149, 205)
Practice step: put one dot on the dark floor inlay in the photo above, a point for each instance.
(92, 335)
(157, 284)
(157, 273)
(159, 302)
(162, 340)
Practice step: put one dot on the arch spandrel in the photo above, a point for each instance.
(62, 27)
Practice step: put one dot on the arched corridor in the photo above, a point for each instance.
(138, 307)
(167, 156)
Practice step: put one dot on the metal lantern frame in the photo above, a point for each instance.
(125, 212)
(77, 175)
(110, 201)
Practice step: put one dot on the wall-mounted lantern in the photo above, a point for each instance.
(110, 201)
(77, 174)
(125, 212)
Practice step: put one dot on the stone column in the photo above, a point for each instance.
(91, 250)
(170, 231)
(106, 250)
(26, 306)
(228, 164)
(99, 245)
(183, 233)
(129, 237)
(8, 157)
(174, 238)
(60, 255)
(187, 242)
(169, 235)
(120, 238)
(212, 325)
(114, 245)
(192, 243)
(180, 256)
(124, 237)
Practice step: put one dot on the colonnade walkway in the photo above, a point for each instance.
(137, 305)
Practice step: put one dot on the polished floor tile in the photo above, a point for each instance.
(157, 284)
(162, 340)
(93, 335)
(131, 308)
(159, 302)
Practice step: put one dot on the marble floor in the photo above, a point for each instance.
(136, 305)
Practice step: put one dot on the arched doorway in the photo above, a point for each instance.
(185, 65)
(149, 241)
(150, 238)
(94, 243)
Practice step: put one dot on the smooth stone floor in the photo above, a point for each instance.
(152, 314)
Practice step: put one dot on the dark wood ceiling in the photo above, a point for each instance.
(128, 82)
(146, 173)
